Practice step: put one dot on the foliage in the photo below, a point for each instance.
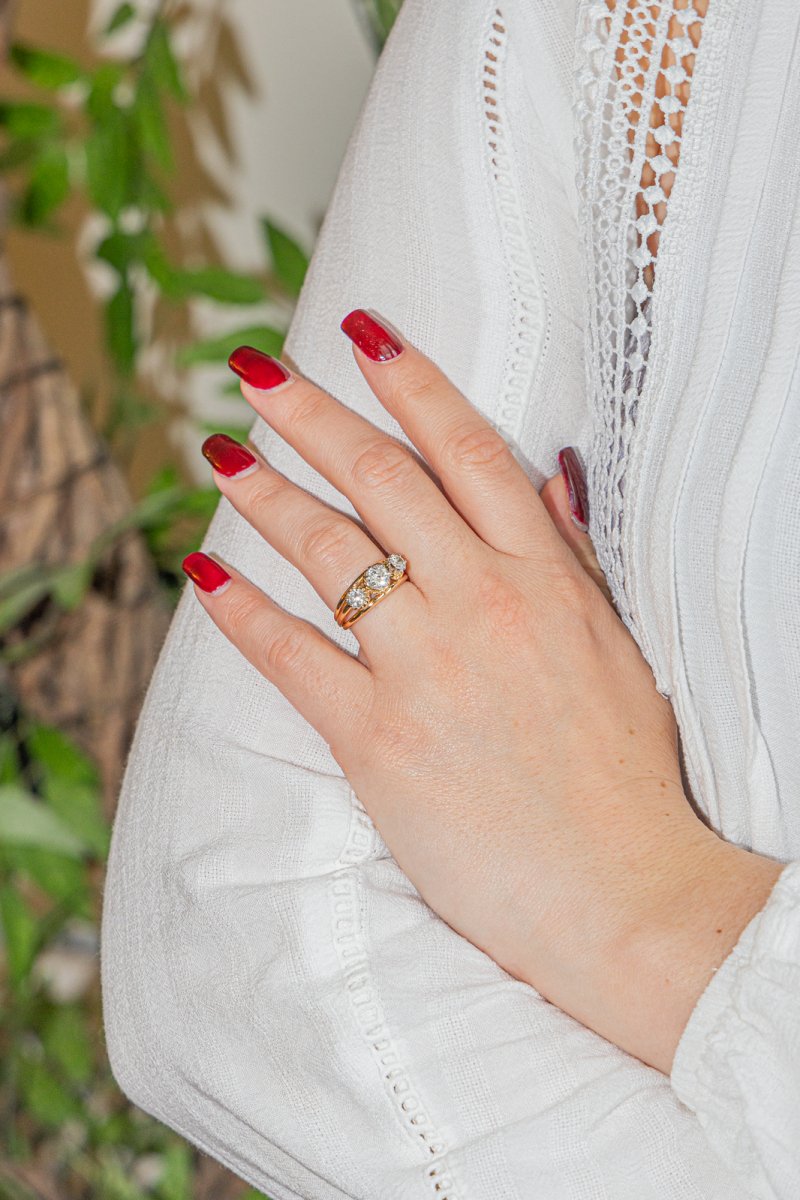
(60, 1102)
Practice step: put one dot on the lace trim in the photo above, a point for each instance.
(633, 57)
(348, 939)
(528, 334)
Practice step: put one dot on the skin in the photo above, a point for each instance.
(501, 727)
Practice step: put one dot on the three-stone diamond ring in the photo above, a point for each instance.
(370, 588)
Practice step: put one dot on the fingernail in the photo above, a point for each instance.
(228, 456)
(371, 336)
(258, 369)
(575, 480)
(206, 572)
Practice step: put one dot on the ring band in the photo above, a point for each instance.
(369, 588)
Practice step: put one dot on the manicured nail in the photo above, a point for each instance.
(258, 369)
(576, 487)
(206, 572)
(371, 336)
(228, 456)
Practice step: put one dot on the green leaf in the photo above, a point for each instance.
(66, 1040)
(122, 15)
(100, 100)
(26, 120)
(48, 186)
(120, 250)
(70, 584)
(219, 349)
(108, 164)
(176, 1181)
(20, 602)
(26, 821)
(45, 1096)
(21, 934)
(220, 284)
(9, 764)
(289, 260)
(43, 68)
(120, 328)
(62, 879)
(161, 62)
(70, 785)
(168, 278)
(148, 116)
(59, 759)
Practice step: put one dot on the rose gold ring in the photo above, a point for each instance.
(377, 581)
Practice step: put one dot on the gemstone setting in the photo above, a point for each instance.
(378, 577)
(397, 562)
(357, 598)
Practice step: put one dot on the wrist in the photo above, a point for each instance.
(681, 928)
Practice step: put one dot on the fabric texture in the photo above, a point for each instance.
(274, 987)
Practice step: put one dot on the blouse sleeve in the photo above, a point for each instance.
(737, 1065)
(274, 988)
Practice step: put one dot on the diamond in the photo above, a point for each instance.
(396, 562)
(378, 577)
(357, 598)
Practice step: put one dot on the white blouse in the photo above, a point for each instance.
(274, 987)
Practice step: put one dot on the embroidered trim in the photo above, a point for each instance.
(348, 939)
(528, 329)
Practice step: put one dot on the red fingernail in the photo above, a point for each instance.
(206, 572)
(575, 480)
(258, 369)
(371, 337)
(228, 456)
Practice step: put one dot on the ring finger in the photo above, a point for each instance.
(329, 548)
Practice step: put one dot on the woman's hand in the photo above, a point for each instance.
(500, 725)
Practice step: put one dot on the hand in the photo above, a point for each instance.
(500, 725)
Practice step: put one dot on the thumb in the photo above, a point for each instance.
(565, 498)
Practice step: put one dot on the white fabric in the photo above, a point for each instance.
(274, 987)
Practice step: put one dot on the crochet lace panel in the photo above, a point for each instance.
(633, 58)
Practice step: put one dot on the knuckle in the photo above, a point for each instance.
(413, 387)
(382, 465)
(482, 447)
(285, 652)
(325, 542)
(505, 604)
(308, 406)
(267, 486)
(242, 612)
(572, 587)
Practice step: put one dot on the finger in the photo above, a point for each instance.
(399, 502)
(325, 684)
(475, 463)
(328, 547)
(564, 497)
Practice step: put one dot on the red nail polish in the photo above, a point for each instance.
(371, 337)
(258, 369)
(576, 487)
(206, 572)
(228, 456)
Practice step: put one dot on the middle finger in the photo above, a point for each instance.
(397, 499)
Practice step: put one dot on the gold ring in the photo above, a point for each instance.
(370, 588)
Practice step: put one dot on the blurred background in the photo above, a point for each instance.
(164, 170)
